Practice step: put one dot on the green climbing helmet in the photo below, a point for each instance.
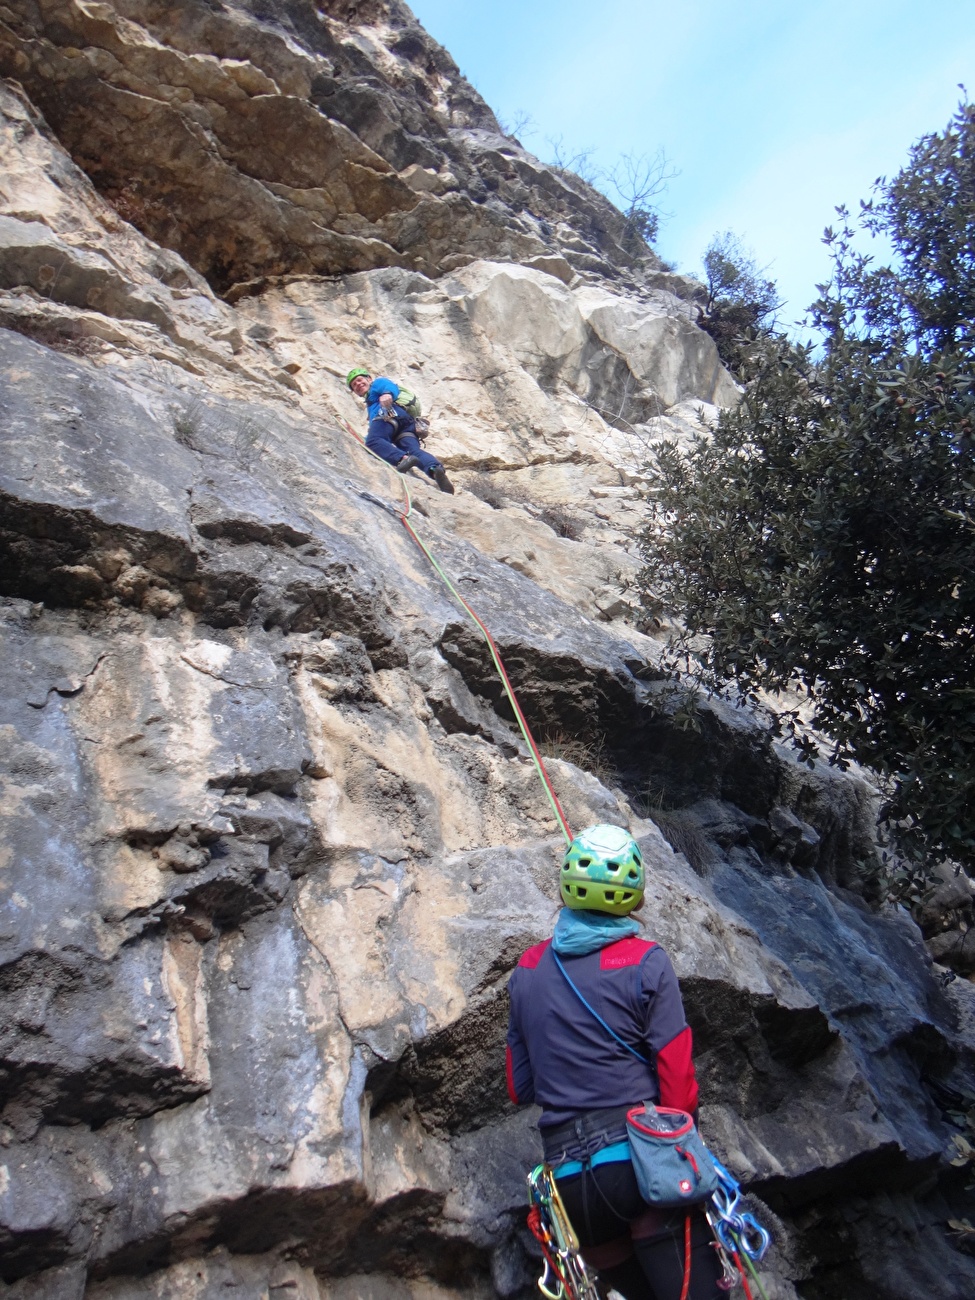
(354, 374)
(602, 871)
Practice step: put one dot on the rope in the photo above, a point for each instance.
(754, 1273)
(495, 653)
(744, 1279)
(687, 1257)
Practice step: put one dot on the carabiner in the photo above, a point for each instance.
(754, 1239)
(545, 1286)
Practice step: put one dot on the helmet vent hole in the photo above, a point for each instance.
(585, 862)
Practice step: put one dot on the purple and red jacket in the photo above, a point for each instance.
(559, 1056)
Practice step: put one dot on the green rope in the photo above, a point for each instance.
(743, 1254)
(509, 690)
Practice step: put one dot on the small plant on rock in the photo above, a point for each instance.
(250, 440)
(484, 488)
(562, 523)
(187, 423)
(589, 754)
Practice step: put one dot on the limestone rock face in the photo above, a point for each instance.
(261, 139)
(272, 840)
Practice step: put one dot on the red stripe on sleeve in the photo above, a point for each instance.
(675, 1071)
(509, 1070)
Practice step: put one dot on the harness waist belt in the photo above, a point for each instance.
(586, 1124)
(618, 1152)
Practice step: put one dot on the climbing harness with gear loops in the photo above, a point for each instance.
(738, 1238)
(404, 518)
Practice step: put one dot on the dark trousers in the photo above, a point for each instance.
(392, 442)
(638, 1250)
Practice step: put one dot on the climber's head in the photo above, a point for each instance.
(358, 381)
(602, 871)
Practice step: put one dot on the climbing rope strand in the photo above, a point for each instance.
(495, 653)
(744, 1276)
(506, 682)
(751, 1268)
(685, 1288)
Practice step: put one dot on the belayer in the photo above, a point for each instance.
(393, 413)
(597, 1027)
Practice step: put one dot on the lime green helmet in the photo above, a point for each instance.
(354, 374)
(602, 871)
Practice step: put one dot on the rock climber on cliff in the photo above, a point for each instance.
(565, 1056)
(392, 427)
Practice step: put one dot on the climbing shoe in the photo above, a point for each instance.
(439, 477)
(407, 463)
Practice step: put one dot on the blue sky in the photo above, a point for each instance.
(774, 113)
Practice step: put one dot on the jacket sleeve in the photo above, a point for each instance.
(518, 1070)
(669, 1035)
(376, 389)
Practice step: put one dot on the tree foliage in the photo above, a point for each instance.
(824, 537)
(637, 181)
(741, 302)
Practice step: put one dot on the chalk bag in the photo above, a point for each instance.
(672, 1165)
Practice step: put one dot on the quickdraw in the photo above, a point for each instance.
(734, 1230)
(565, 1275)
(737, 1236)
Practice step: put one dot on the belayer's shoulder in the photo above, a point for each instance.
(626, 952)
(530, 958)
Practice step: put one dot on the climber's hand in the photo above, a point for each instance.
(386, 400)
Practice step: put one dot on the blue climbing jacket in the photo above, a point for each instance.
(376, 390)
(558, 1054)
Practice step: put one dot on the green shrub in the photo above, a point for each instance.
(823, 538)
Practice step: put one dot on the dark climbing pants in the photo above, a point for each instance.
(638, 1250)
(393, 442)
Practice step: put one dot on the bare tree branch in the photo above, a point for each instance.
(580, 162)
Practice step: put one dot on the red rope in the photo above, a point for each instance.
(543, 1238)
(500, 666)
(511, 694)
(687, 1257)
(744, 1279)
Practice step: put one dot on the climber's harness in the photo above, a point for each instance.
(421, 426)
(737, 1235)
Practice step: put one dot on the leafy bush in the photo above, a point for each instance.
(824, 537)
(741, 303)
